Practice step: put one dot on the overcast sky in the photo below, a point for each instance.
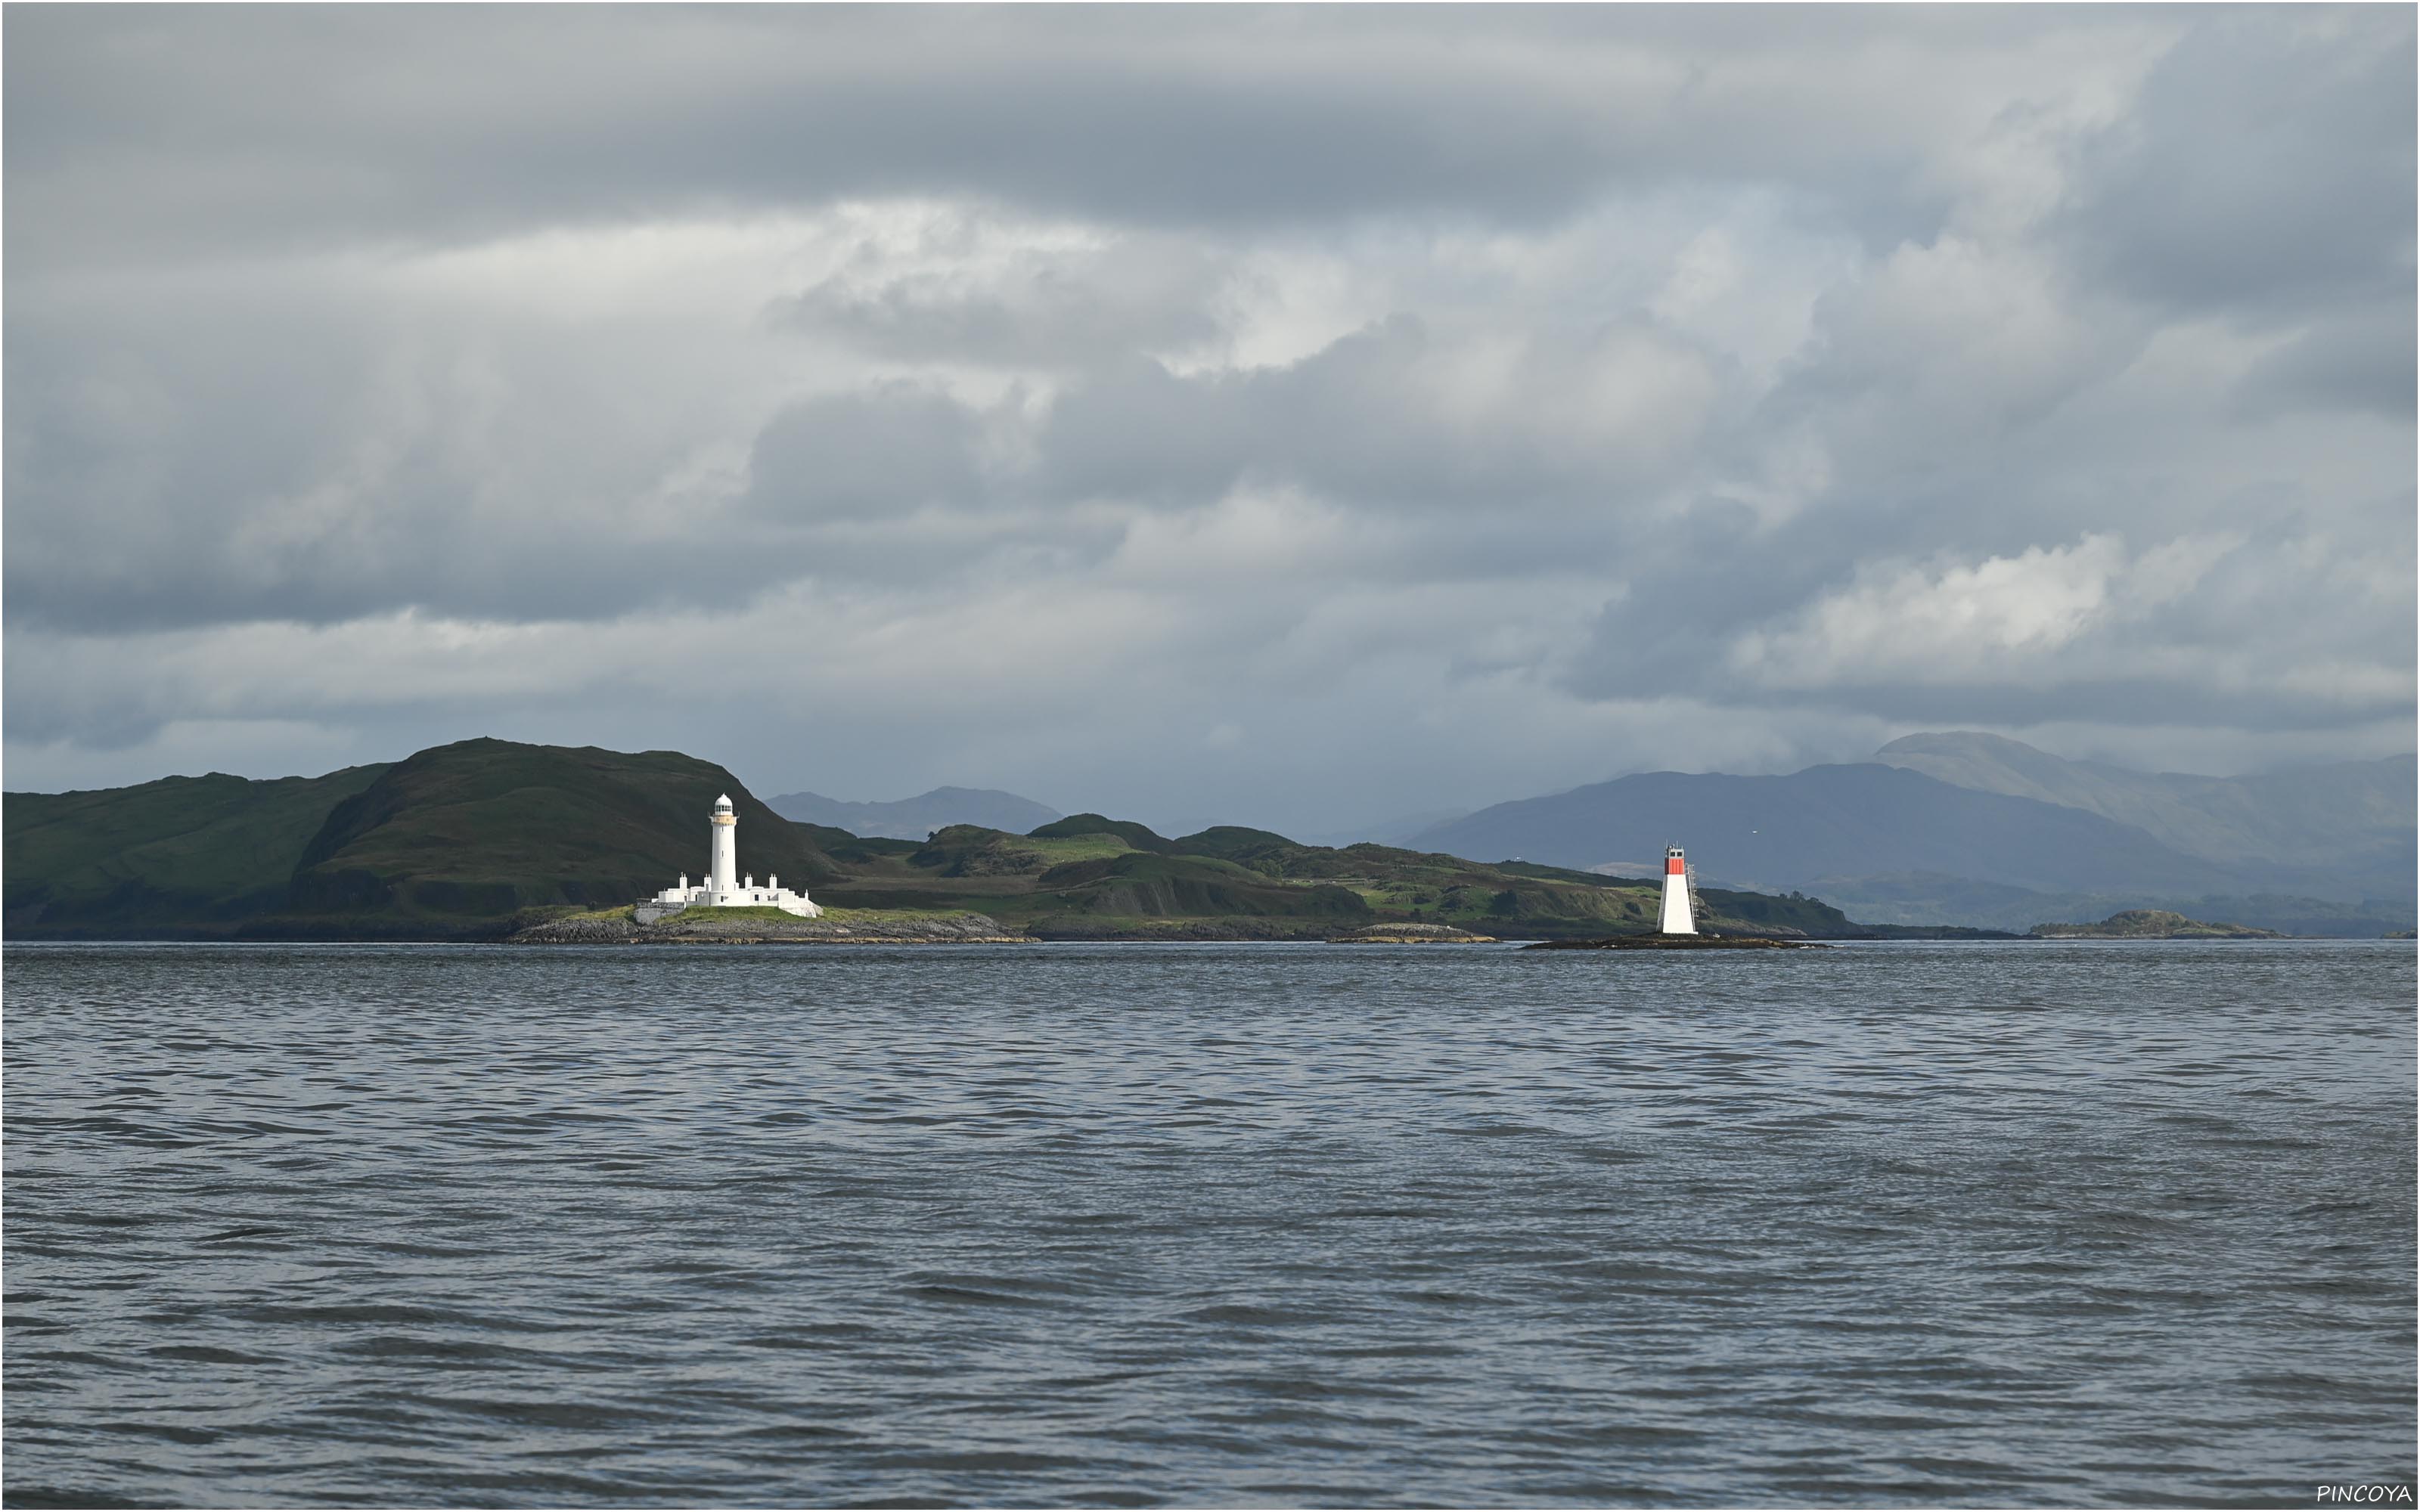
(1300, 419)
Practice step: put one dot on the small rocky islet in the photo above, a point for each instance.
(2152, 924)
(1411, 935)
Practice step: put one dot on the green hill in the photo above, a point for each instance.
(460, 835)
(452, 843)
(1140, 885)
(1087, 876)
(186, 855)
(1136, 836)
(1233, 842)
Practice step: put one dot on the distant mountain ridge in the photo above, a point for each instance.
(1963, 828)
(920, 816)
(2343, 812)
(1841, 821)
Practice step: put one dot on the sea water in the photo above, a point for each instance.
(2073, 1223)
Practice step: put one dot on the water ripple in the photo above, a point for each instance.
(2037, 1225)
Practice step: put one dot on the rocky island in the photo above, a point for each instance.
(1410, 934)
(1678, 942)
(2152, 924)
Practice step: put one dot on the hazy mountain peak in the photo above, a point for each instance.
(1967, 743)
(917, 817)
(2338, 813)
(1924, 740)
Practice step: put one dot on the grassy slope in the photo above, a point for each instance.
(1138, 837)
(458, 838)
(1235, 881)
(197, 851)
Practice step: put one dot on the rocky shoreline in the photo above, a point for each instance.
(698, 927)
(1677, 942)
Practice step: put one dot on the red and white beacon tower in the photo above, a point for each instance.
(1674, 919)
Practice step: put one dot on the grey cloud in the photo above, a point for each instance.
(2360, 360)
(152, 132)
(1375, 418)
(1548, 473)
(498, 118)
(891, 448)
(2269, 170)
(187, 466)
(1045, 309)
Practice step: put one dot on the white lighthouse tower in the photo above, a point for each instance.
(723, 886)
(1674, 917)
(722, 872)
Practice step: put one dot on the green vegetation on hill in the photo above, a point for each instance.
(472, 840)
(1091, 876)
(1140, 883)
(1138, 837)
(452, 843)
(462, 834)
(843, 847)
(183, 855)
(1233, 842)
